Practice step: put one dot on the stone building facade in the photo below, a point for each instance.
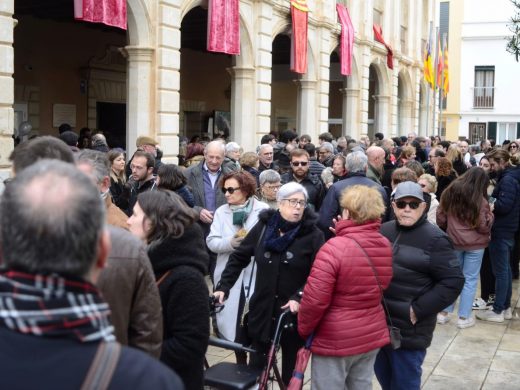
(151, 75)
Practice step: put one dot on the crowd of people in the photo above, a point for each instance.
(367, 243)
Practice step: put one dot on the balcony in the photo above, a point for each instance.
(483, 97)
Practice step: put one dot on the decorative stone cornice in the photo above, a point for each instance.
(138, 53)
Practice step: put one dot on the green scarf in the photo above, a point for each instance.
(241, 212)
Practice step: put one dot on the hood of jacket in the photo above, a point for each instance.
(187, 250)
(308, 222)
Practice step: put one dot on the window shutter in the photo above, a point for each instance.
(492, 130)
(517, 130)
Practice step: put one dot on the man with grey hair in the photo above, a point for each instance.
(356, 165)
(203, 178)
(326, 154)
(55, 310)
(266, 157)
(376, 160)
(128, 282)
(233, 152)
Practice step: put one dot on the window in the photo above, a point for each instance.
(378, 12)
(506, 131)
(484, 90)
(404, 26)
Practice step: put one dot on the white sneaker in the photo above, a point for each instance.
(479, 304)
(508, 313)
(490, 315)
(443, 319)
(465, 323)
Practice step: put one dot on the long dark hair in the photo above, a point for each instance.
(168, 214)
(463, 197)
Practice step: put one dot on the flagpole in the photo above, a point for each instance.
(435, 76)
(429, 45)
(441, 96)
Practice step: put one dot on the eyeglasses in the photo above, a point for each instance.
(323, 152)
(401, 204)
(275, 187)
(423, 185)
(231, 190)
(296, 202)
(298, 163)
(514, 146)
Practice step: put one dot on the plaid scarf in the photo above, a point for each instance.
(52, 306)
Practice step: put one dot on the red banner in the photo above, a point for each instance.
(109, 12)
(224, 26)
(299, 13)
(347, 40)
(378, 32)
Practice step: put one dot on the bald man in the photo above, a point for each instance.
(376, 160)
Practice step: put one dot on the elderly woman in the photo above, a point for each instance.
(270, 183)
(250, 162)
(284, 244)
(338, 168)
(428, 184)
(341, 301)
(231, 223)
(178, 257)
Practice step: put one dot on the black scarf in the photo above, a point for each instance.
(52, 306)
(276, 225)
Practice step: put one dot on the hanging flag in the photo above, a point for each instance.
(347, 40)
(446, 74)
(299, 13)
(428, 65)
(378, 32)
(440, 63)
(224, 26)
(109, 12)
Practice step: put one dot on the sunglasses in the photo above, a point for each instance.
(514, 146)
(298, 163)
(231, 190)
(422, 185)
(401, 204)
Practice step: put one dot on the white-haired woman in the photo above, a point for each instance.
(270, 183)
(284, 243)
(428, 184)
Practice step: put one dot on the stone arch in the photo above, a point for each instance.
(139, 23)
(246, 57)
(188, 5)
(382, 75)
(405, 99)
(405, 81)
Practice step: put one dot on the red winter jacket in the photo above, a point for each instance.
(342, 300)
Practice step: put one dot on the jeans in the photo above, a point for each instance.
(470, 262)
(500, 252)
(399, 369)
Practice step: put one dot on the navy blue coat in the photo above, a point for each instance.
(507, 205)
(330, 207)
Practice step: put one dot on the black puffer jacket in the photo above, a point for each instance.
(507, 205)
(427, 276)
(184, 297)
(280, 276)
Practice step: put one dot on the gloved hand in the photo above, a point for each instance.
(235, 241)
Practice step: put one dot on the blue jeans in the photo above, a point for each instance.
(398, 369)
(470, 262)
(499, 252)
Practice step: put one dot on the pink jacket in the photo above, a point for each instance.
(464, 237)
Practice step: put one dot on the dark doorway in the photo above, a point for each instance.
(111, 120)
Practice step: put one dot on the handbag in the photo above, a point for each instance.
(395, 333)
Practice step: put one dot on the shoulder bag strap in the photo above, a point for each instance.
(164, 276)
(377, 280)
(102, 368)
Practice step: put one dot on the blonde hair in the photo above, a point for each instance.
(407, 152)
(432, 181)
(363, 203)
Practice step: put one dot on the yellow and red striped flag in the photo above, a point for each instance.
(428, 65)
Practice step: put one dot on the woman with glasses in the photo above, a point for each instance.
(464, 213)
(284, 244)
(270, 183)
(231, 223)
(512, 148)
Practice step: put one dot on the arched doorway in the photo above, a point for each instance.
(336, 95)
(284, 90)
(205, 83)
(404, 103)
(68, 72)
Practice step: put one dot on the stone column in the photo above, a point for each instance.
(7, 24)
(382, 115)
(138, 110)
(242, 107)
(350, 112)
(306, 111)
(263, 64)
(405, 117)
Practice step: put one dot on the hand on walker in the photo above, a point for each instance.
(293, 306)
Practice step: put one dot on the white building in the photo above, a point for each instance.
(157, 79)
